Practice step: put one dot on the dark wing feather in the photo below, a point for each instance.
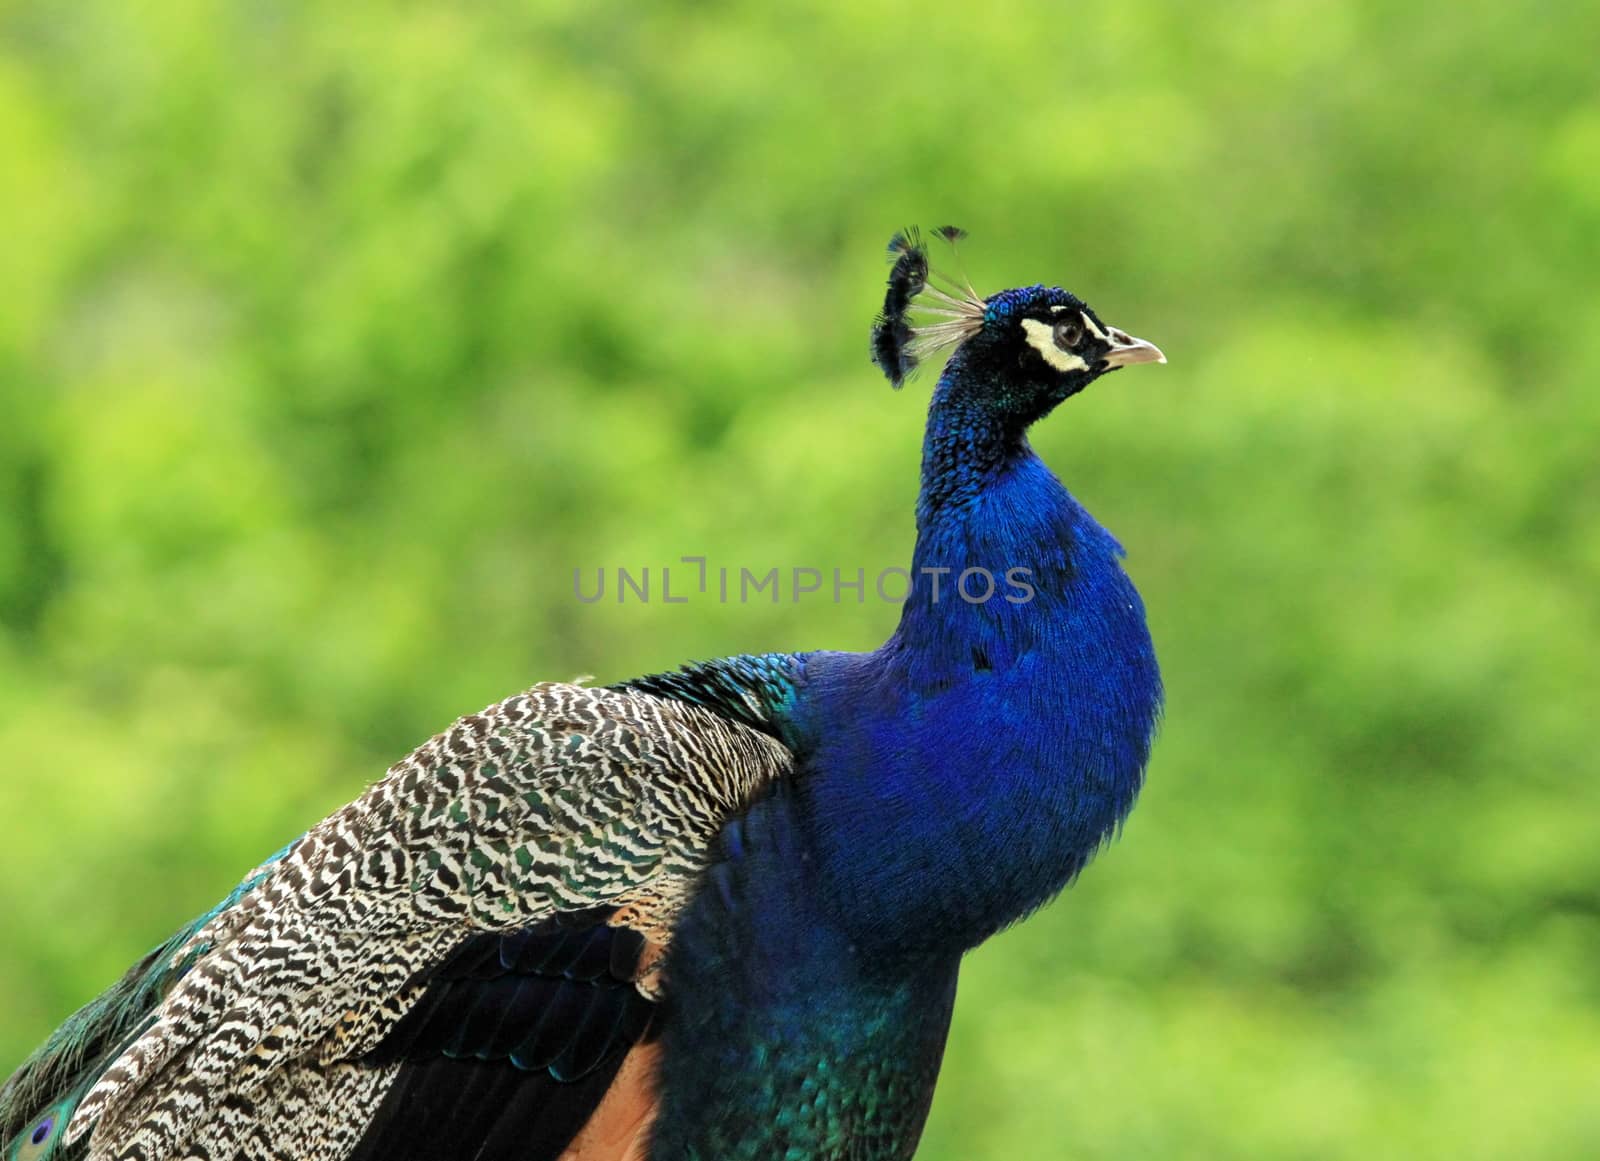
(452, 1110)
(514, 1042)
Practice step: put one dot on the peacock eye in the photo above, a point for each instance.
(1068, 335)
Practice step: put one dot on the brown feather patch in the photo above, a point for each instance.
(619, 1129)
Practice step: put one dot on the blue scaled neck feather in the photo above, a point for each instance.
(1000, 734)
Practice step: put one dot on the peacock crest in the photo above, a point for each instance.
(951, 313)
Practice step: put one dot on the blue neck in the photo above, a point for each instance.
(987, 503)
(967, 442)
(993, 744)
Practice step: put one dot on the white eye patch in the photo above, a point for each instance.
(1041, 337)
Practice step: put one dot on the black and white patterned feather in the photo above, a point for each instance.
(562, 803)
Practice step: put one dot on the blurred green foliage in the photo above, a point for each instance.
(335, 337)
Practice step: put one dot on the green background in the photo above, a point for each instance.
(335, 336)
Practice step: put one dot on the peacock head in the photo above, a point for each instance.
(1026, 350)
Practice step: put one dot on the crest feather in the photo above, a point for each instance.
(898, 344)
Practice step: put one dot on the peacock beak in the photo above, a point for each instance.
(1127, 350)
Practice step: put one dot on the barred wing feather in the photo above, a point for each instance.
(440, 899)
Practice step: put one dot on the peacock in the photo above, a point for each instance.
(712, 914)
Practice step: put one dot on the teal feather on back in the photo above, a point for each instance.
(38, 1100)
(41, 1140)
